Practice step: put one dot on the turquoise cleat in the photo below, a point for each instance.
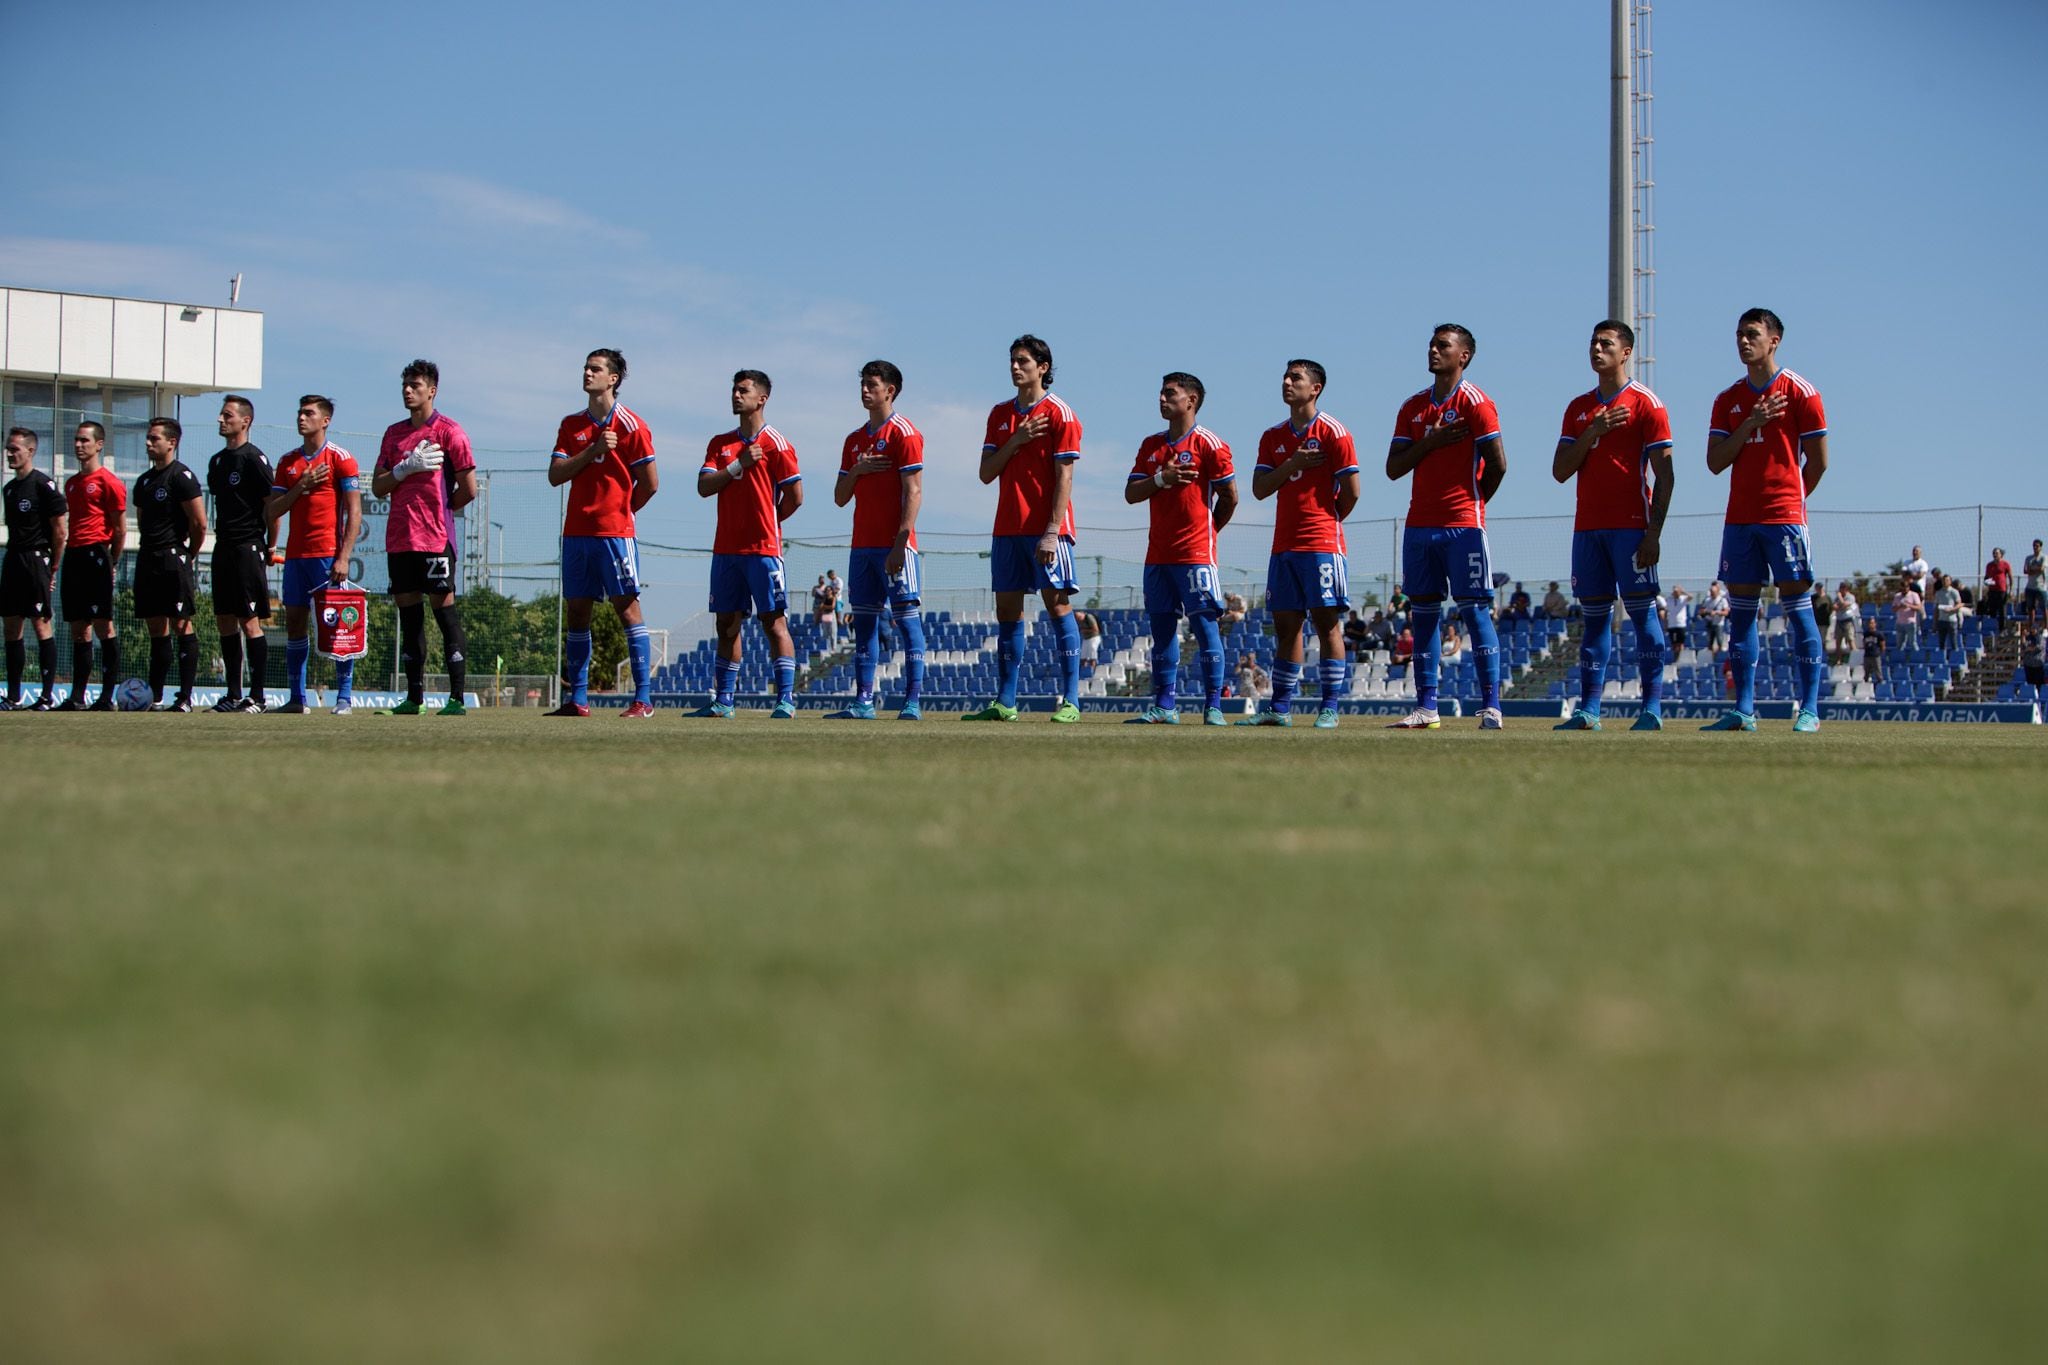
(786, 710)
(1279, 719)
(1155, 715)
(1733, 720)
(1806, 722)
(1582, 719)
(1326, 719)
(1214, 716)
(1648, 720)
(911, 711)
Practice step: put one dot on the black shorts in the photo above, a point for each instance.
(2037, 673)
(25, 584)
(163, 585)
(241, 582)
(2033, 599)
(420, 572)
(87, 584)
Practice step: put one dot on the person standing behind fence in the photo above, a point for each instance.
(319, 487)
(1769, 432)
(2035, 601)
(426, 469)
(1906, 611)
(605, 453)
(37, 524)
(1997, 587)
(752, 471)
(881, 472)
(238, 476)
(170, 520)
(1846, 627)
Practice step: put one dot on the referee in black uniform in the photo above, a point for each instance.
(36, 528)
(239, 479)
(170, 514)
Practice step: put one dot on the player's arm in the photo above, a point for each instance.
(464, 491)
(564, 466)
(1224, 491)
(118, 514)
(195, 525)
(1815, 449)
(1403, 454)
(1724, 447)
(993, 458)
(1347, 493)
(712, 480)
(913, 503)
(1495, 467)
(1663, 478)
(788, 498)
(1571, 455)
(1056, 516)
(351, 511)
(1268, 481)
(60, 535)
(646, 483)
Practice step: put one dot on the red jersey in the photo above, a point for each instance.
(1182, 529)
(1305, 508)
(1614, 481)
(316, 516)
(601, 494)
(1025, 487)
(746, 507)
(1766, 487)
(878, 498)
(1444, 491)
(94, 502)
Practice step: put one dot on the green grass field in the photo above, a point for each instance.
(503, 1040)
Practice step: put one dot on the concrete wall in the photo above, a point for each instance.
(130, 341)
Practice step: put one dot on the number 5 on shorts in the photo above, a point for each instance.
(1476, 561)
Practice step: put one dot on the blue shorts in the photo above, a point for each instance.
(301, 576)
(1748, 551)
(600, 566)
(748, 583)
(1177, 589)
(1013, 566)
(1298, 580)
(868, 583)
(1604, 566)
(1453, 561)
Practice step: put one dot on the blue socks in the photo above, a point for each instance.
(1742, 650)
(1211, 641)
(1009, 660)
(1596, 647)
(785, 678)
(296, 653)
(1165, 660)
(1650, 646)
(1478, 617)
(910, 625)
(1286, 679)
(576, 664)
(728, 680)
(1070, 656)
(1807, 647)
(1425, 623)
(640, 648)
(866, 651)
(344, 680)
(1331, 675)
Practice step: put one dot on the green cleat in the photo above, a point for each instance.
(783, 710)
(1648, 720)
(454, 707)
(1733, 720)
(406, 708)
(1806, 722)
(911, 711)
(859, 710)
(717, 710)
(1326, 719)
(1279, 719)
(1214, 716)
(1066, 713)
(1582, 719)
(1155, 715)
(995, 710)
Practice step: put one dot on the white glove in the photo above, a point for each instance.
(425, 456)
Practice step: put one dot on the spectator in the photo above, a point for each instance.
(2035, 603)
(1948, 614)
(1823, 607)
(1233, 611)
(1453, 645)
(1678, 619)
(1715, 614)
(1918, 570)
(1091, 639)
(1354, 635)
(1906, 612)
(825, 612)
(1846, 624)
(1379, 635)
(1252, 682)
(1404, 653)
(1873, 655)
(1555, 605)
(1518, 606)
(1997, 587)
(1397, 608)
(2034, 655)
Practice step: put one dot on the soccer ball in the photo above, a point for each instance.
(134, 695)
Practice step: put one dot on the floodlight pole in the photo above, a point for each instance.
(1620, 236)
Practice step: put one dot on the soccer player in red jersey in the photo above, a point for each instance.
(605, 453)
(37, 524)
(320, 488)
(1771, 429)
(1029, 453)
(881, 472)
(1448, 437)
(1617, 440)
(96, 502)
(752, 471)
(426, 469)
(1185, 476)
(1310, 464)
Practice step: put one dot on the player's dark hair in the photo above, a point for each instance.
(1619, 328)
(1770, 320)
(170, 425)
(99, 433)
(421, 369)
(613, 359)
(884, 371)
(235, 400)
(761, 380)
(1037, 350)
(326, 405)
(1463, 334)
(1315, 371)
(27, 435)
(1182, 379)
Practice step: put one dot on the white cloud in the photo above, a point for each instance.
(489, 205)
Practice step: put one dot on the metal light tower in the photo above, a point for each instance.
(1620, 129)
(1631, 183)
(1643, 195)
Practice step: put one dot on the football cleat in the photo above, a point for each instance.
(1155, 715)
(106, 701)
(1278, 719)
(1418, 719)
(568, 708)
(1648, 720)
(1806, 722)
(1733, 720)
(1326, 719)
(6, 705)
(177, 705)
(1490, 718)
(783, 710)
(639, 710)
(70, 703)
(995, 710)
(911, 711)
(715, 710)
(42, 703)
(293, 708)
(408, 707)
(854, 710)
(1066, 713)
(1214, 716)
(345, 707)
(1582, 719)
(454, 707)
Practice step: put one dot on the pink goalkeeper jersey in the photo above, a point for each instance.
(420, 520)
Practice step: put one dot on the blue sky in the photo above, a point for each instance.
(1199, 186)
